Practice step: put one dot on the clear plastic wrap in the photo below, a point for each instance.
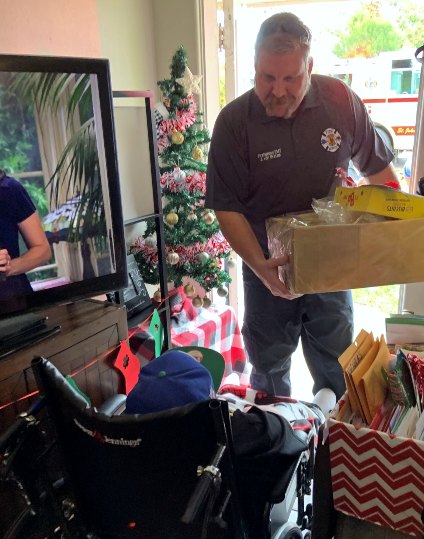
(333, 213)
(280, 241)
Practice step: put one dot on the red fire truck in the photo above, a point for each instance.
(388, 85)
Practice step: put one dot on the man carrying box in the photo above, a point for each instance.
(273, 150)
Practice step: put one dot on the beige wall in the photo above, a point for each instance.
(50, 27)
(139, 37)
(179, 22)
(176, 23)
(127, 39)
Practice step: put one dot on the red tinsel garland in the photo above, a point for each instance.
(194, 181)
(214, 246)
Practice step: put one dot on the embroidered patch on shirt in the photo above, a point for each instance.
(331, 139)
(273, 154)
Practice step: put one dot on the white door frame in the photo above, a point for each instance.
(412, 295)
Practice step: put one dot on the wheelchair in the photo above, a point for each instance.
(167, 475)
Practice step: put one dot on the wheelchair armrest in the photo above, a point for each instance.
(208, 478)
(114, 405)
(23, 421)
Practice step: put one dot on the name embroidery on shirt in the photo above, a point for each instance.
(331, 140)
(273, 154)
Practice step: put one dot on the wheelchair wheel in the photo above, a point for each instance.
(288, 531)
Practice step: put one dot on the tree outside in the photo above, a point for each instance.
(370, 31)
(366, 37)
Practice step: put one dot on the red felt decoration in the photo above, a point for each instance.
(129, 365)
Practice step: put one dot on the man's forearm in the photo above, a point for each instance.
(240, 236)
(386, 175)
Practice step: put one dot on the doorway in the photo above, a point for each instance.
(240, 21)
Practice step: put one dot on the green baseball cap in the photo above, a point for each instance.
(211, 359)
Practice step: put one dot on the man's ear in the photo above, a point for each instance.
(310, 65)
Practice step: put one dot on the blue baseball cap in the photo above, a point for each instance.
(173, 379)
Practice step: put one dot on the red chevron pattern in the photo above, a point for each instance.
(377, 477)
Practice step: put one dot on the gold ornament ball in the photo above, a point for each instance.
(222, 291)
(189, 290)
(157, 296)
(171, 218)
(197, 153)
(207, 302)
(197, 302)
(173, 258)
(208, 218)
(177, 137)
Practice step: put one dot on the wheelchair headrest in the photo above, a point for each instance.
(49, 379)
(171, 380)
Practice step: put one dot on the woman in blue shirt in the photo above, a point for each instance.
(18, 215)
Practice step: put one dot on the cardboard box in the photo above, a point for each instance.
(377, 477)
(381, 200)
(325, 258)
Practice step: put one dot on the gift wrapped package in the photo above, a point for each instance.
(377, 477)
(375, 437)
(329, 257)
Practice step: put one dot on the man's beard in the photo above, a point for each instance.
(284, 107)
(281, 107)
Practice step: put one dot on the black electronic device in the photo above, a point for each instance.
(67, 103)
(135, 295)
(18, 331)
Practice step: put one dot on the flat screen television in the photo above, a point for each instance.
(57, 141)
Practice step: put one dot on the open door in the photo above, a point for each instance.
(412, 295)
(241, 20)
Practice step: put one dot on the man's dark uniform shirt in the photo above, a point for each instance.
(263, 166)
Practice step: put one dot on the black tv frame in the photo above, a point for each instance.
(104, 283)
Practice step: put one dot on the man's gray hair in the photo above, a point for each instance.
(283, 32)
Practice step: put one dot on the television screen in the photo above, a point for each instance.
(61, 224)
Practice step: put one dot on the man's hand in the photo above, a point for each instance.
(267, 272)
(240, 236)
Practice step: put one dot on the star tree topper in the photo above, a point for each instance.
(190, 82)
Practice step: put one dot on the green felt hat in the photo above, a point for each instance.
(211, 359)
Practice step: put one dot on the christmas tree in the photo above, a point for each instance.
(194, 244)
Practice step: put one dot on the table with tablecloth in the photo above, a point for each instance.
(215, 327)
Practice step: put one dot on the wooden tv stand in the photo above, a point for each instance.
(89, 330)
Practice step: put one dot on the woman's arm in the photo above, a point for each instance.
(39, 251)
